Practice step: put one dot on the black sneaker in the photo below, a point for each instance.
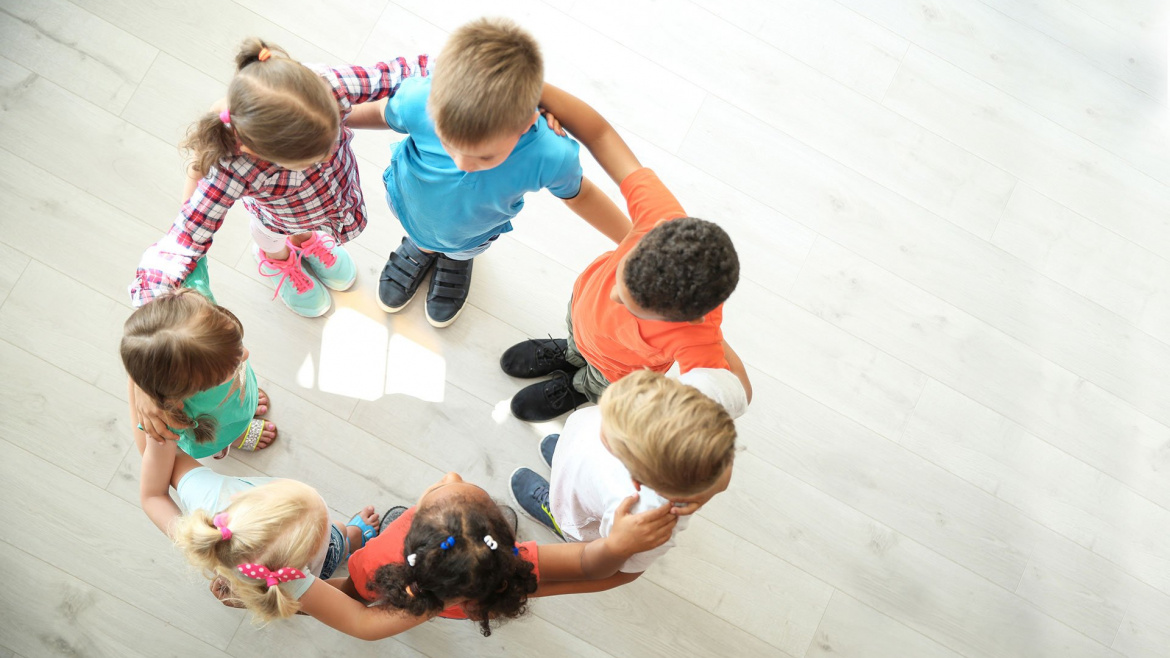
(510, 517)
(536, 357)
(548, 399)
(449, 287)
(389, 517)
(530, 493)
(548, 445)
(401, 276)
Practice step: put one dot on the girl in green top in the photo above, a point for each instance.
(187, 356)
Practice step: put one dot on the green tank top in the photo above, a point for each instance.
(231, 411)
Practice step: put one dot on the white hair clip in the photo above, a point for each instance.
(490, 542)
(411, 558)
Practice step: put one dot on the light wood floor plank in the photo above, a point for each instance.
(853, 629)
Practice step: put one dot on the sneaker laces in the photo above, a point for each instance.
(289, 269)
(541, 495)
(319, 249)
(558, 390)
(549, 351)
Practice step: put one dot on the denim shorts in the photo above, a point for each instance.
(335, 554)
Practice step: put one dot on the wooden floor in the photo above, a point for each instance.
(954, 222)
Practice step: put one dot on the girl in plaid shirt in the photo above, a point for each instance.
(279, 143)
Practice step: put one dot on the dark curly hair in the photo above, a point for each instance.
(682, 269)
(497, 582)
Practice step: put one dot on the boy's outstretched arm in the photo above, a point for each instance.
(737, 368)
(592, 205)
(592, 130)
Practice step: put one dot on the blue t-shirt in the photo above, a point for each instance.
(448, 210)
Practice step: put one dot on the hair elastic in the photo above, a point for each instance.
(264, 54)
(225, 117)
(410, 559)
(491, 543)
(409, 591)
(273, 578)
(220, 521)
(447, 543)
(515, 550)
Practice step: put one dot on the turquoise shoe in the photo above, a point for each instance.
(299, 290)
(329, 261)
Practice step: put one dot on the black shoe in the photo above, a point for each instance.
(536, 357)
(510, 517)
(449, 287)
(548, 445)
(548, 399)
(401, 276)
(530, 493)
(389, 517)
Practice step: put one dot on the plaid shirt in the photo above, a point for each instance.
(326, 197)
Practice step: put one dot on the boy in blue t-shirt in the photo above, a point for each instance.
(475, 147)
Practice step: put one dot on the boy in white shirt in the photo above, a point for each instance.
(651, 434)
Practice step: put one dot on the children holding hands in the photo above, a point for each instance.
(625, 474)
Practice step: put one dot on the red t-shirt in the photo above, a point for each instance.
(609, 337)
(387, 548)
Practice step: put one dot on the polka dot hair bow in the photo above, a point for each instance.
(273, 578)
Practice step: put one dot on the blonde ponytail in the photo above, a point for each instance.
(280, 524)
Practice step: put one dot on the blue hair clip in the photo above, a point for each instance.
(447, 543)
(515, 551)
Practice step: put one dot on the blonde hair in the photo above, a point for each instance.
(487, 82)
(178, 345)
(280, 524)
(278, 108)
(669, 436)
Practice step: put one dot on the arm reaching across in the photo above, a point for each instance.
(592, 130)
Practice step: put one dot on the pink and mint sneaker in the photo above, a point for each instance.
(328, 261)
(298, 289)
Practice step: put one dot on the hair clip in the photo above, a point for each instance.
(515, 550)
(491, 543)
(273, 578)
(220, 521)
(225, 117)
(410, 559)
(264, 54)
(447, 543)
(409, 591)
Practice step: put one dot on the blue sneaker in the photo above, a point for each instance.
(329, 261)
(299, 290)
(530, 493)
(548, 446)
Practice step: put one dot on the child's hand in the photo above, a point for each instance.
(149, 416)
(222, 590)
(553, 124)
(635, 533)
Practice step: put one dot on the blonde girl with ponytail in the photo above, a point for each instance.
(266, 544)
(280, 144)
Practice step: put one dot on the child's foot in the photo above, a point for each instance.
(536, 357)
(299, 290)
(361, 528)
(548, 399)
(548, 445)
(328, 261)
(259, 435)
(261, 403)
(530, 493)
(401, 276)
(449, 287)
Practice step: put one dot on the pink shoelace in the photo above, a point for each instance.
(319, 249)
(287, 269)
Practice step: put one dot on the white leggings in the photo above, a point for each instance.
(268, 240)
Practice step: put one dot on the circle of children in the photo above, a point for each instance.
(625, 474)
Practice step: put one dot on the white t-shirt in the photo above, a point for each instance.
(588, 483)
(203, 488)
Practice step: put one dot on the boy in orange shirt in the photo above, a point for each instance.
(655, 300)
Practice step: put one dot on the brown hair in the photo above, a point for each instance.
(487, 82)
(279, 524)
(682, 269)
(668, 435)
(177, 345)
(279, 109)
